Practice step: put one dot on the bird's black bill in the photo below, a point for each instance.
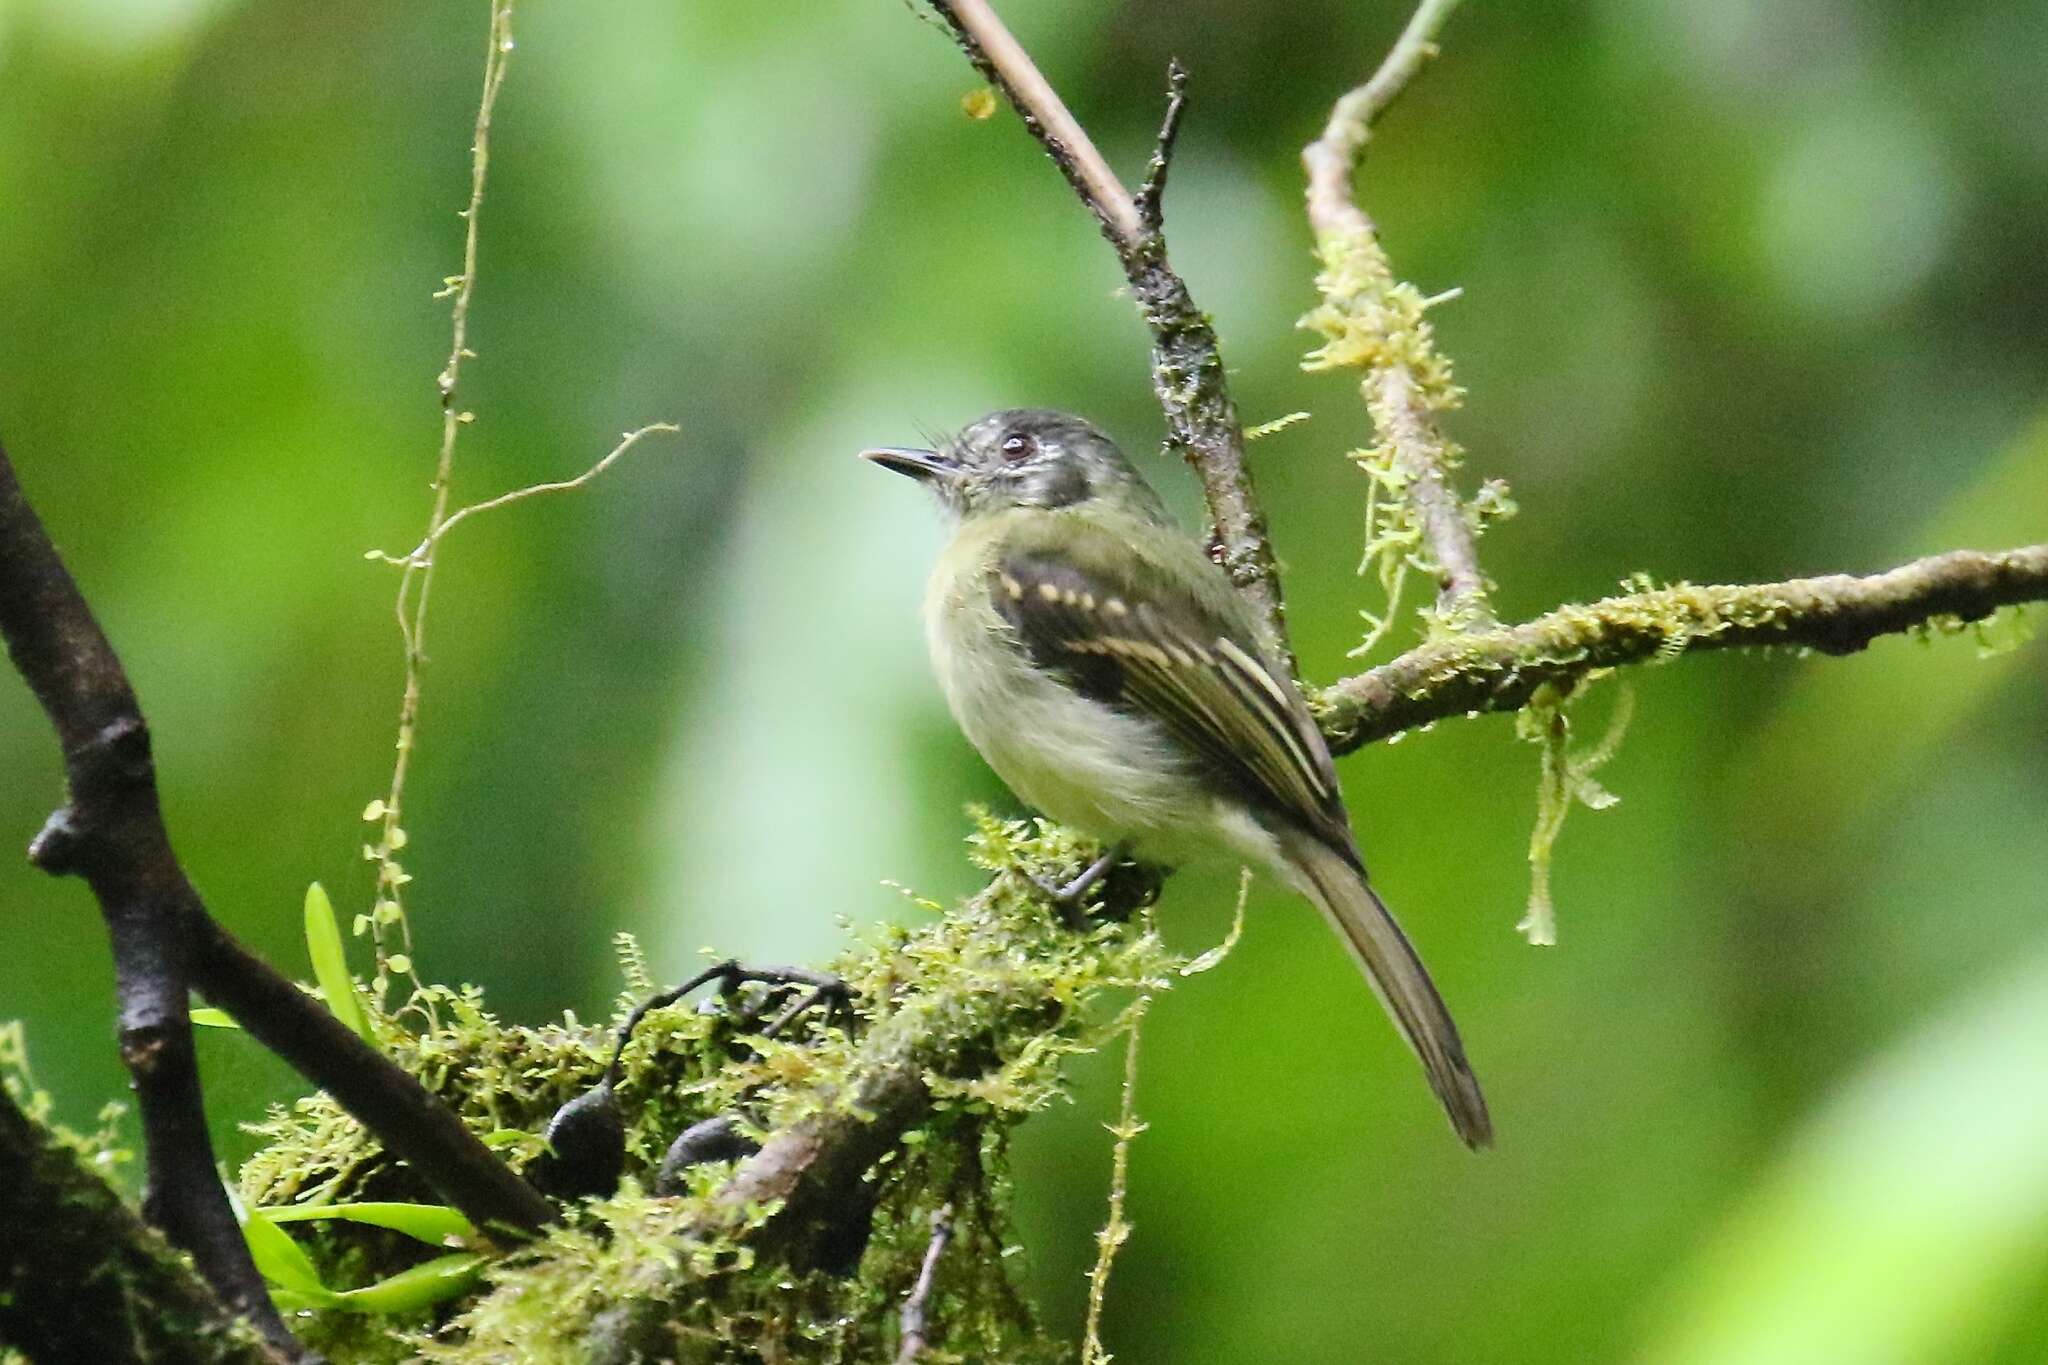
(926, 466)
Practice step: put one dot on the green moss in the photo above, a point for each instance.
(1370, 320)
(979, 1009)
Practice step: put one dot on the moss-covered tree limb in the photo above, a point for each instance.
(969, 1017)
(1372, 321)
(111, 832)
(82, 1278)
(1500, 669)
(1187, 364)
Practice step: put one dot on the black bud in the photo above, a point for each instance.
(715, 1139)
(588, 1141)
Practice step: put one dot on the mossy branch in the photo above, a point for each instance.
(1502, 669)
(82, 1278)
(1372, 321)
(965, 1025)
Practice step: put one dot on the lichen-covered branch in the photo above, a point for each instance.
(970, 1020)
(1502, 668)
(1187, 364)
(82, 1278)
(1374, 322)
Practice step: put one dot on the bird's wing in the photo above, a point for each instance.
(1116, 631)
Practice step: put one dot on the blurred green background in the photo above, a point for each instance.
(1751, 290)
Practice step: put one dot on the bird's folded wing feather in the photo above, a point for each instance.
(1137, 641)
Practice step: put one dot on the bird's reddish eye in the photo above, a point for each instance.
(1017, 445)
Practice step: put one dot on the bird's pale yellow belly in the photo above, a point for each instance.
(1115, 776)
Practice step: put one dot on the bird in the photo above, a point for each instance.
(1111, 675)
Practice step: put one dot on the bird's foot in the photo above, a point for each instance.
(1070, 900)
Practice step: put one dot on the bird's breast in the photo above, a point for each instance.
(1108, 773)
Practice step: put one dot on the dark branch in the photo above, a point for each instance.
(111, 832)
(407, 1119)
(81, 1278)
(1501, 669)
(1187, 365)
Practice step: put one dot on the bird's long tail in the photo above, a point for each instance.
(1398, 977)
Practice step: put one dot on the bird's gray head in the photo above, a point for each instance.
(1024, 457)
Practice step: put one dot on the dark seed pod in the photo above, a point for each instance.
(587, 1138)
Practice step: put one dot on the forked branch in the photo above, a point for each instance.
(110, 831)
(1187, 365)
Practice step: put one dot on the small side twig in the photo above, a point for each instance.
(423, 552)
(731, 974)
(1187, 364)
(1152, 192)
(917, 1304)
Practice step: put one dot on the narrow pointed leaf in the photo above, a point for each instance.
(282, 1261)
(423, 1286)
(434, 1224)
(330, 962)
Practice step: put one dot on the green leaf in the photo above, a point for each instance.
(433, 1224)
(291, 1301)
(282, 1261)
(207, 1017)
(330, 963)
(424, 1285)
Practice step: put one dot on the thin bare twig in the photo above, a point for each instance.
(1187, 366)
(1372, 321)
(1502, 668)
(917, 1304)
(415, 585)
(423, 552)
(1116, 1231)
